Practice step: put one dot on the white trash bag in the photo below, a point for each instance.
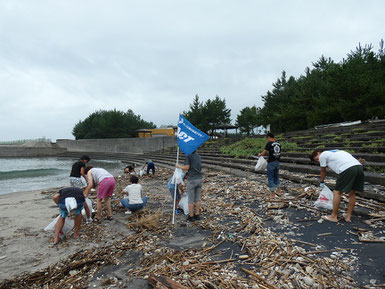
(261, 165)
(183, 204)
(177, 177)
(68, 225)
(141, 172)
(325, 199)
(89, 204)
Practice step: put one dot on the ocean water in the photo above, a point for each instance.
(27, 174)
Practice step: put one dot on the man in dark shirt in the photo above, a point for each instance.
(65, 207)
(274, 149)
(77, 172)
(193, 165)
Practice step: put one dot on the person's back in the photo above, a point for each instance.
(134, 201)
(99, 174)
(337, 160)
(195, 170)
(274, 149)
(71, 192)
(134, 193)
(76, 167)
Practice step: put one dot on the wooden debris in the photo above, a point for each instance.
(324, 234)
(273, 260)
(160, 282)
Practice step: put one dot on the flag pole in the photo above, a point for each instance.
(175, 187)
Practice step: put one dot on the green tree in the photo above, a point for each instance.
(195, 113)
(110, 124)
(329, 92)
(248, 119)
(206, 116)
(215, 113)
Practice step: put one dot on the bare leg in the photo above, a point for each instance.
(336, 204)
(58, 227)
(78, 222)
(177, 203)
(197, 207)
(108, 206)
(88, 213)
(99, 208)
(351, 204)
(191, 210)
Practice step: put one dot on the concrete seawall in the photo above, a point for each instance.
(17, 151)
(118, 145)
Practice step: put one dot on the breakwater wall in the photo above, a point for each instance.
(118, 145)
(19, 151)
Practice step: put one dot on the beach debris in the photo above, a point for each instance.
(365, 235)
(145, 220)
(164, 282)
(241, 250)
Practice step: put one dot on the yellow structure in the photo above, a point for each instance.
(155, 132)
(163, 131)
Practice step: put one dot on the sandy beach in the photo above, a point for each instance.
(240, 228)
(23, 242)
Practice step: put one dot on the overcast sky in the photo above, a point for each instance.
(62, 60)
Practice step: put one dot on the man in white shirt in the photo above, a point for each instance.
(350, 178)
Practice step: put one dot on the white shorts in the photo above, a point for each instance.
(78, 182)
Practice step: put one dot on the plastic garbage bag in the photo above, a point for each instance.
(183, 204)
(261, 164)
(177, 178)
(89, 204)
(68, 225)
(141, 172)
(325, 199)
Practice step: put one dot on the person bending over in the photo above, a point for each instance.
(63, 200)
(133, 200)
(98, 177)
(349, 180)
(130, 169)
(179, 191)
(150, 166)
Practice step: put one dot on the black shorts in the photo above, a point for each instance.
(351, 179)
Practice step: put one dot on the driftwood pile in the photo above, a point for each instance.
(242, 252)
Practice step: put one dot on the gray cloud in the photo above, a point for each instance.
(60, 61)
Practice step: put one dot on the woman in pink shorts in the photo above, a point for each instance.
(106, 184)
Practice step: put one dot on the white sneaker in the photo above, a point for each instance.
(89, 220)
(128, 212)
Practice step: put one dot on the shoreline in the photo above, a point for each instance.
(19, 193)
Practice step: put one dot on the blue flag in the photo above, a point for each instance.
(189, 137)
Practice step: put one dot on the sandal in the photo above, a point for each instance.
(55, 244)
(109, 218)
(97, 220)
